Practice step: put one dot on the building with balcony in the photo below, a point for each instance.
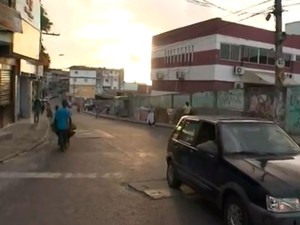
(219, 55)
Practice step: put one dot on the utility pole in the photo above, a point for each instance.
(279, 59)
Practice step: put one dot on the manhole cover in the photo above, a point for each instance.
(158, 189)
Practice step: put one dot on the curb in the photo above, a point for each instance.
(31, 148)
(170, 126)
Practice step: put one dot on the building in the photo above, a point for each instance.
(109, 80)
(86, 82)
(55, 82)
(219, 55)
(19, 57)
(82, 82)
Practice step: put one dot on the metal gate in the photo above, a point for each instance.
(5, 87)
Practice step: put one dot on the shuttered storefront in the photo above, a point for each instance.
(5, 87)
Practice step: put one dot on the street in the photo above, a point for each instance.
(90, 183)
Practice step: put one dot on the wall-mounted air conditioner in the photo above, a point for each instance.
(160, 76)
(239, 70)
(180, 75)
(239, 85)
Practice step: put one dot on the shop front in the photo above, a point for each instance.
(6, 94)
(10, 22)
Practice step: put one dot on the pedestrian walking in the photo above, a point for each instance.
(49, 112)
(151, 117)
(37, 108)
(97, 111)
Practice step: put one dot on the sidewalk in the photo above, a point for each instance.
(130, 120)
(26, 136)
(296, 137)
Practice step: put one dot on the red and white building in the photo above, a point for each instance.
(219, 55)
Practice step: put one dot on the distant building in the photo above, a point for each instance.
(109, 80)
(86, 82)
(220, 55)
(56, 82)
(82, 82)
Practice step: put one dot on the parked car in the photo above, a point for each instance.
(249, 168)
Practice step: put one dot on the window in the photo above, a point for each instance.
(75, 80)
(177, 56)
(230, 52)
(85, 80)
(271, 58)
(178, 129)
(235, 52)
(259, 138)
(189, 131)
(263, 56)
(225, 51)
(287, 58)
(192, 54)
(185, 54)
(253, 55)
(188, 54)
(298, 58)
(180, 55)
(206, 133)
(245, 54)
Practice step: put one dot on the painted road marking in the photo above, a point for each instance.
(92, 134)
(47, 175)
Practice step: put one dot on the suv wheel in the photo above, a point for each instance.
(235, 212)
(172, 178)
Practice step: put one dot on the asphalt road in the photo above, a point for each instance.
(88, 184)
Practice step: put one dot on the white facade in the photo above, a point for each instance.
(293, 28)
(216, 71)
(108, 80)
(83, 77)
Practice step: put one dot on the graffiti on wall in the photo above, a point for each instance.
(262, 104)
(203, 99)
(293, 110)
(231, 100)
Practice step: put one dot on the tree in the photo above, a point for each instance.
(46, 25)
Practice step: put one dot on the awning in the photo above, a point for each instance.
(267, 78)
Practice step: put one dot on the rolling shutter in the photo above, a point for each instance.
(5, 87)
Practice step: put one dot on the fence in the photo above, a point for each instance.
(255, 102)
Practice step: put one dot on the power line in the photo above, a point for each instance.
(241, 11)
(207, 3)
(293, 4)
(216, 6)
(222, 27)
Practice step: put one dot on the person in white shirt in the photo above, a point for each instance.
(187, 109)
(151, 117)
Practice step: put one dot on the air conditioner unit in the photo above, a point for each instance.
(180, 75)
(239, 85)
(289, 75)
(159, 76)
(239, 70)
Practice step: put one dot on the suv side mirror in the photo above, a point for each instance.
(209, 147)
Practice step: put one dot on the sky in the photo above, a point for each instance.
(118, 33)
